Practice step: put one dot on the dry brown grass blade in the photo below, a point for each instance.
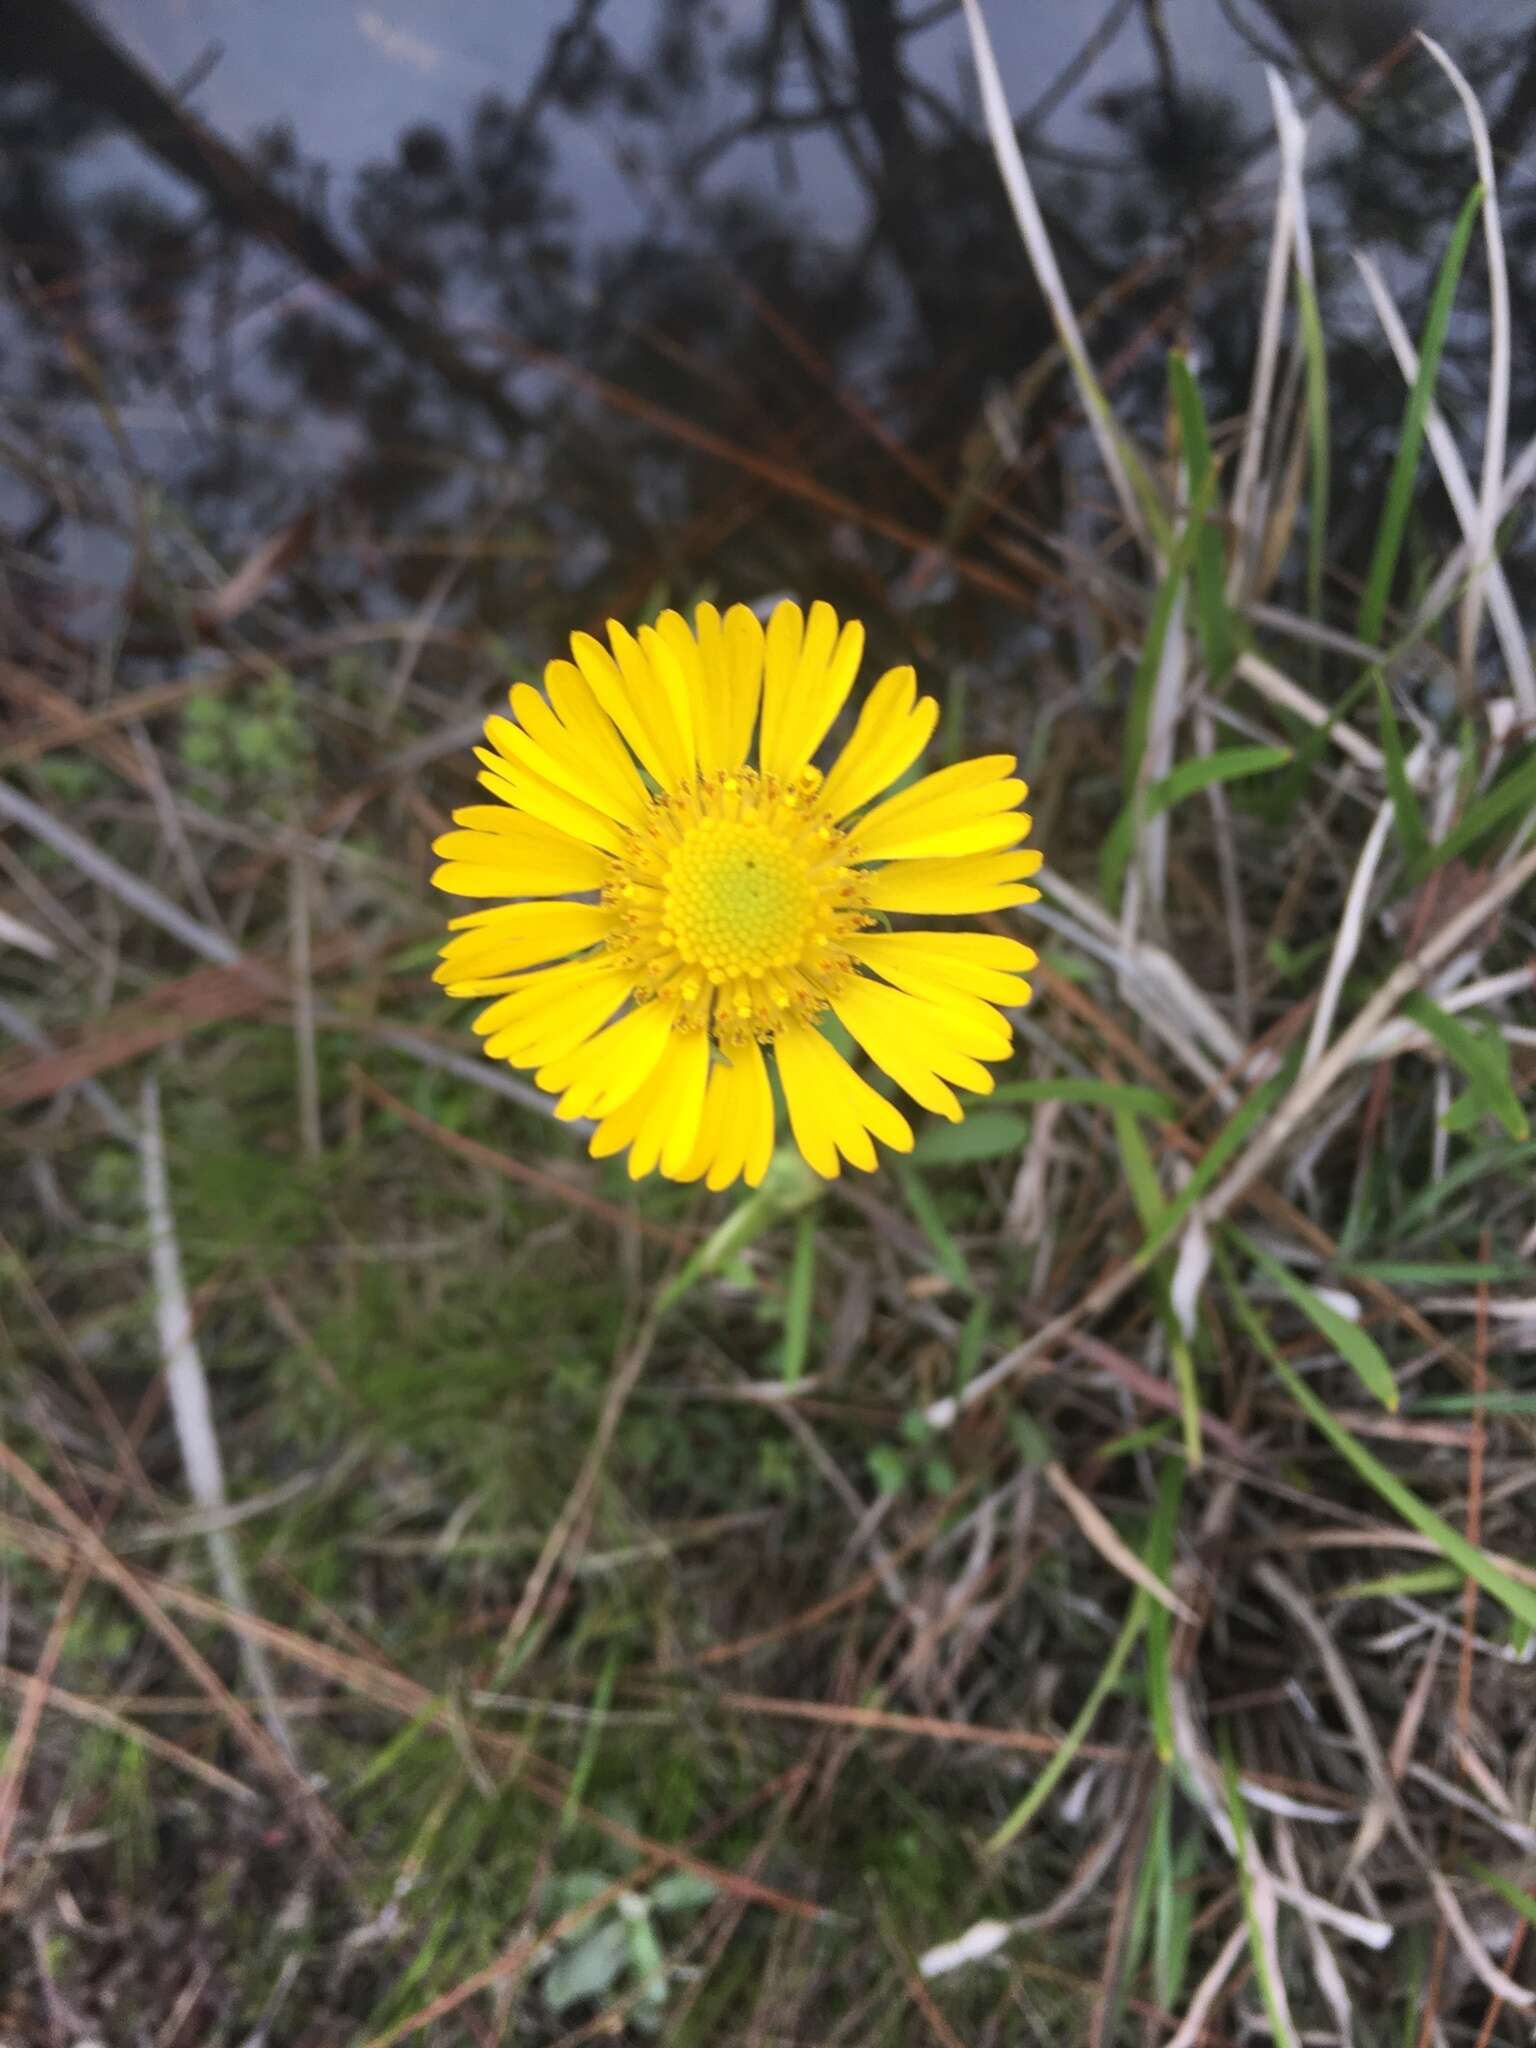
(384, 1687)
(877, 1721)
(1361, 1728)
(321, 1826)
(209, 995)
(1100, 1532)
(99, 1715)
(625, 1377)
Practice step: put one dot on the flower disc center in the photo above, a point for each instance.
(739, 898)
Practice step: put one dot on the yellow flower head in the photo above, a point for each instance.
(683, 908)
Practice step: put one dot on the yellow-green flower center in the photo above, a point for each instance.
(739, 898)
(734, 901)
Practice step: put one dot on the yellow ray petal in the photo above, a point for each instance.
(608, 1069)
(968, 1022)
(551, 1014)
(576, 760)
(799, 711)
(736, 1138)
(631, 718)
(657, 690)
(910, 1040)
(675, 1106)
(965, 961)
(956, 888)
(989, 834)
(781, 658)
(522, 935)
(522, 858)
(704, 680)
(532, 793)
(832, 1109)
(892, 730)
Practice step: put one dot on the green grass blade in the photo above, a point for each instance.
(1217, 634)
(1230, 764)
(1483, 1058)
(1405, 805)
(1269, 1990)
(1091, 1094)
(948, 1258)
(1077, 1734)
(984, 1134)
(1400, 490)
(1520, 1897)
(1140, 1174)
(1159, 1557)
(1514, 794)
(1473, 1563)
(1360, 1352)
(798, 1297)
(1227, 1142)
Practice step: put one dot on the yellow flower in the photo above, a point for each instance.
(685, 909)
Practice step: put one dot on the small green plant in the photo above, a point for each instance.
(620, 1948)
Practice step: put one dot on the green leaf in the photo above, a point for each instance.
(948, 1258)
(1269, 1990)
(1078, 1733)
(587, 1970)
(788, 1187)
(1352, 1344)
(1472, 1562)
(1410, 441)
(1140, 1173)
(1093, 1094)
(1159, 1556)
(1227, 1142)
(1483, 1056)
(1405, 805)
(1513, 794)
(681, 1891)
(1520, 1897)
(1230, 764)
(1217, 635)
(798, 1297)
(984, 1134)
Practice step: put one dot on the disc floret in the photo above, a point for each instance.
(734, 899)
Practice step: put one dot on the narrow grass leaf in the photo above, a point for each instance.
(1469, 1560)
(1229, 764)
(1270, 1990)
(1077, 1734)
(1405, 805)
(798, 1296)
(984, 1134)
(1225, 1146)
(1433, 1578)
(1410, 443)
(1520, 1897)
(948, 1258)
(1482, 1056)
(1090, 1094)
(1360, 1352)
(1159, 1556)
(1140, 1174)
(1513, 795)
